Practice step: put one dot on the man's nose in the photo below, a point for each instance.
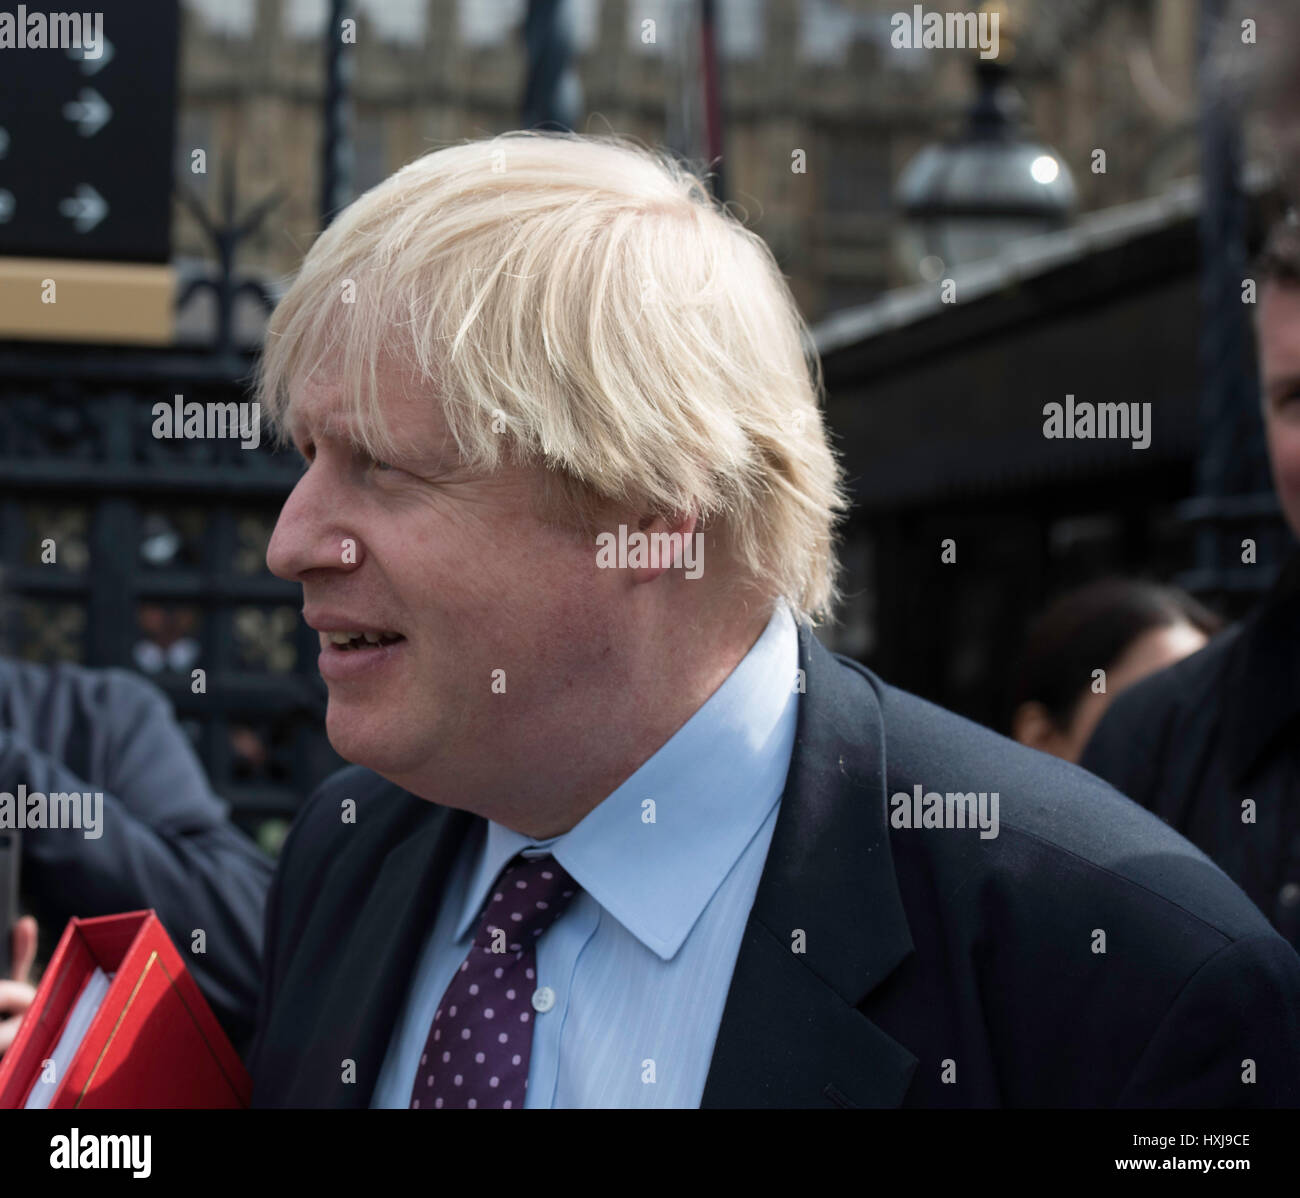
(309, 535)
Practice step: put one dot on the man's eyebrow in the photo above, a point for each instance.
(436, 458)
(301, 430)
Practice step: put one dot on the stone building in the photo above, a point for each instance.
(814, 75)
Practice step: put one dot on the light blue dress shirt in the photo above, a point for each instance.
(641, 960)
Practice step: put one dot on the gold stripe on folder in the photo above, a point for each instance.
(153, 956)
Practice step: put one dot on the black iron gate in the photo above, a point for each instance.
(121, 549)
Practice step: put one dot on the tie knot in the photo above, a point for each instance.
(529, 896)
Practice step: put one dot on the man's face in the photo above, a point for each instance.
(461, 570)
(1279, 364)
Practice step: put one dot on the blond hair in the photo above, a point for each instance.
(590, 298)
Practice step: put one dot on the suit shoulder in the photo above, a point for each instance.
(1054, 819)
(346, 811)
(338, 841)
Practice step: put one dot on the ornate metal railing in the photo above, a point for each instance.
(123, 549)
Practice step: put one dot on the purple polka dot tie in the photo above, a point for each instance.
(481, 1039)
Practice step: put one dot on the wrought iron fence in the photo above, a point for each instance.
(122, 549)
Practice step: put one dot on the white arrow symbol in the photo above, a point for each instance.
(6, 205)
(86, 209)
(89, 110)
(92, 66)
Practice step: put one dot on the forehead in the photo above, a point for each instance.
(325, 404)
(318, 406)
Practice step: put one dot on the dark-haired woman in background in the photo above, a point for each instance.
(1126, 629)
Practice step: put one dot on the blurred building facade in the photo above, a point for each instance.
(814, 75)
(966, 519)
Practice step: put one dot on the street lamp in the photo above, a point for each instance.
(993, 185)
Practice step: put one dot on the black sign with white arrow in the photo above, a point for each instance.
(86, 143)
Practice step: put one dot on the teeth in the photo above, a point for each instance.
(370, 638)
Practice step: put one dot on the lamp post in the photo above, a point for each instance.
(993, 185)
(1233, 500)
(694, 116)
(336, 141)
(552, 91)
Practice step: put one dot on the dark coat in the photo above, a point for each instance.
(167, 840)
(923, 946)
(1195, 741)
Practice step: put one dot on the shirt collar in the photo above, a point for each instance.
(709, 788)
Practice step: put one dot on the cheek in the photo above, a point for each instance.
(499, 583)
(440, 559)
(1284, 453)
(1285, 448)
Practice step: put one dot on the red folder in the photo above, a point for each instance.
(153, 1040)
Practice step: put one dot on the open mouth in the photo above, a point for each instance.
(349, 641)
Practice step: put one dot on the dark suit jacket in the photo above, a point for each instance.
(923, 947)
(1194, 741)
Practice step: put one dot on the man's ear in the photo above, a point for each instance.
(661, 554)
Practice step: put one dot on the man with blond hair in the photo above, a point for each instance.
(620, 831)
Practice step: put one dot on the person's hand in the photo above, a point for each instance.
(16, 995)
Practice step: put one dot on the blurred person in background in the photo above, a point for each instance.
(1212, 745)
(1125, 628)
(165, 839)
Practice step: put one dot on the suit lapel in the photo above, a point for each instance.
(377, 963)
(790, 1034)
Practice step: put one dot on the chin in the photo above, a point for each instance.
(361, 737)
